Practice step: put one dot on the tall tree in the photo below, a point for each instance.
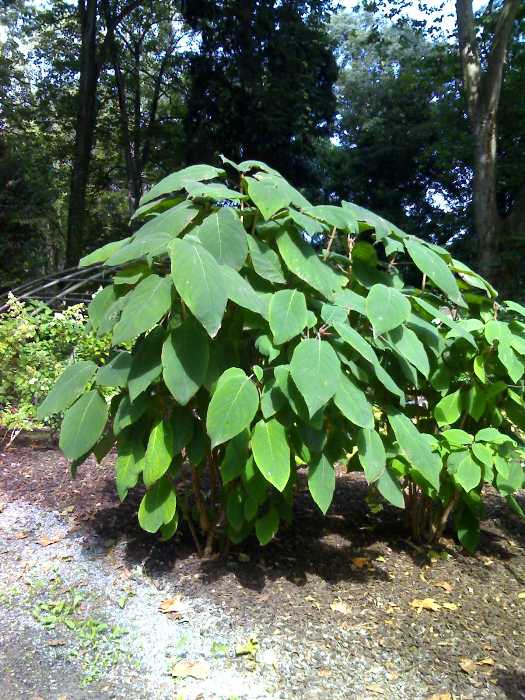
(261, 83)
(483, 61)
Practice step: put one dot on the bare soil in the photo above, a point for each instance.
(330, 602)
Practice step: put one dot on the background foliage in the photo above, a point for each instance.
(364, 103)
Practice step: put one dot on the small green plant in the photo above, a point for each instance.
(255, 334)
(36, 344)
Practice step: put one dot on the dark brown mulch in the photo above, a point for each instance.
(361, 564)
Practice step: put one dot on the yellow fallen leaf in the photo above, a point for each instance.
(486, 662)
(521, 595)
(425, 604)
(46, 541)
(324, 672)
(450, 606)
(445, 585)
(440, 696)
(341, 607)
(171, 605)
(375, 688)
(360, 562)
(190, 669)
(467, 665)
(21, 535)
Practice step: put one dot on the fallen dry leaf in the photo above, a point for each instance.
(190, 669)
(46, 541)
(521, 595)
(425, 604)
(486, 662)
(360, 562)
(21, 535)
(440, 696)
(56, 642)
(445, 585)
(375, 688)
(324, 672)
(340, 606)
(171, 605)
(467, 665)
(450, 606)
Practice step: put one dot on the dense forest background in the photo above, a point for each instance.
(415, 112)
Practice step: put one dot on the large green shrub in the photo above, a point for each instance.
(254, 333)
(36, 343)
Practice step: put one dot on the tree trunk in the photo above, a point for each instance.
(486, 218)
(84, 131)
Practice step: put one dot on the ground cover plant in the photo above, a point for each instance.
(255, 335)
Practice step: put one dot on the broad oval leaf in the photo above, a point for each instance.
(116, 371)
(321, 481)
(265, 261)
(271, 452)
(129, 465)
(386, 308)
(448, 409)
(267, 525)
(159, 452)
(371, 454)
(268, 195)
(146, 365)
(287, 315)
(435, 268)
(388, 486)
(67, 388)
(83, 425)
(158, 506)
(198, 279)
(232, 407)
(241, 292)
(176, 181)
(145, 306)
(352, 403)
(416, 449)
(316, 372)
(224, 236)
(185, 358)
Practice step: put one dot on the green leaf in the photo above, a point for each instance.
(168, 530)
(185, 358)
(467, 528)
(100, 255)
(511, 362)
(146, 365)
(116, 371)
(448, 410)
(287, 315)
(468, 473)
(455, 436)
(513, 482)
(268, 195)
(406, 343)
(386, 308)
(215, 190)
(199, 281)
(83, 425)
(232, 406)
(302, 259)
(271, 452)
(492, 435)
(128, 412)
(352, 402)
(158, 506)
(435, 268)
(159, 452)
(67, 388)
(100, 305)
(267, 525)
(177, 181)
(321, 481)
(130, 462)
(223, 235)
(388, 486)
(235, 457)
(171, 222)
(235, 509)
(241, 292)
(517, 308)
(145, 306)
(482, 453)
(316, 372)
(502, 466)
(415, 448)
(265, 261)
(371, 454)
(151, 246)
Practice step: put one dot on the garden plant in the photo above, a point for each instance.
(255, 336)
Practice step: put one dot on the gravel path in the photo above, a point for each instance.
(327, 610)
